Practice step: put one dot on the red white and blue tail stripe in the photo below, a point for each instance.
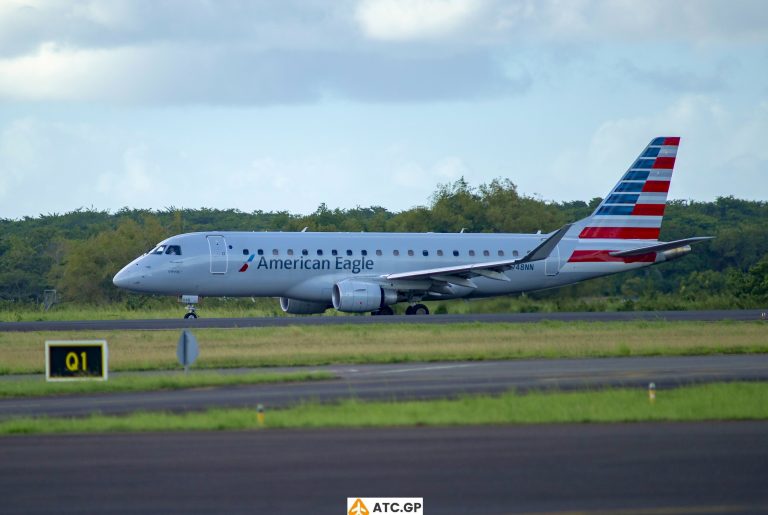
(635, 206)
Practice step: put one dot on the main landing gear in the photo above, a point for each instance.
(417, 309)
(385, 310)
(190, 311)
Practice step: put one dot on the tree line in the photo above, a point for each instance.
(78, 253)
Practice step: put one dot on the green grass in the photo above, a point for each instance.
(394, 343)
(37, 387)
(717, 401)
(149, 307)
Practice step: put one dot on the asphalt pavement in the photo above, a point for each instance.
(411, 381)
(620, 469)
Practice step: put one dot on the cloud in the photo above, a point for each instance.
(722, 150)
(677, 79)
(406, 20)
(92, 24)
(603, 21)
(43, 165)
(288, 52)
(181, 75)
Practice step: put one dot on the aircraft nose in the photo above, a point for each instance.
(122, 279)
(128, 278)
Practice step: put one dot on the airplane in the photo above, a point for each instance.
(311, 272)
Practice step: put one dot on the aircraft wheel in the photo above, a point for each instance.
(409, 310)
(420, 309)
(190, 315)
(386, 310)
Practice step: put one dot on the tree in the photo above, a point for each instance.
(86, 274)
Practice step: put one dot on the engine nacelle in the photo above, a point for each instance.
(678, 252)
(301, 307)
(359, 296)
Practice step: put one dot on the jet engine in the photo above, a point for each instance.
(301, 307)
(359, 296)
(675, 253)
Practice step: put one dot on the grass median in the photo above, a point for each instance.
(38, 387)
(717, 401)
(396, 343)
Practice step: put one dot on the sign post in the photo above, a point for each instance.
(79, 360)
(187, 350)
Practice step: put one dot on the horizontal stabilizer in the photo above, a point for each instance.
(660, 247)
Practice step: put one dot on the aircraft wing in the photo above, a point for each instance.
(660, 246)
(460, 274)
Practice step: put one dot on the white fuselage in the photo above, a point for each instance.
(305, 266)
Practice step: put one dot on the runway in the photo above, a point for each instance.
(510, 318)
(625, 469)
(412, 381)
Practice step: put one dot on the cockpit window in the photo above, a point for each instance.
(173, 250)
(159, 250)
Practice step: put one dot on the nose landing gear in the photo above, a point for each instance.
(190, 301)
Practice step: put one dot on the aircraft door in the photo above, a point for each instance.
(219, 260)
(552, 263)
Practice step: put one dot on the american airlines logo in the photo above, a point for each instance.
(352, 265)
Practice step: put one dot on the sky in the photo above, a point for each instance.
(282, 106)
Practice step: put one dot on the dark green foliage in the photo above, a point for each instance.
(79, 252)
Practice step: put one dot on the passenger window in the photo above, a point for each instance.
(471, 252)
(364, 252)
(290, 252)
(304, 252)
(260, 252)
(319, 252)
(349, 252)
(378, 252)
(173, 250)
(410, 253)
(486, 253)
(456, 253)
(439, 252)
(334, 252)
(514, 253)
(275, 252)
(425, 253)
(501, 253)
(245, 252)
(395, 252)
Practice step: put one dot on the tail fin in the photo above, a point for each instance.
(635, 206)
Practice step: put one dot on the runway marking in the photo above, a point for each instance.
(420, 369)
(671, 510)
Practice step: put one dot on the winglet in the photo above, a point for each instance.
(547, 246)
